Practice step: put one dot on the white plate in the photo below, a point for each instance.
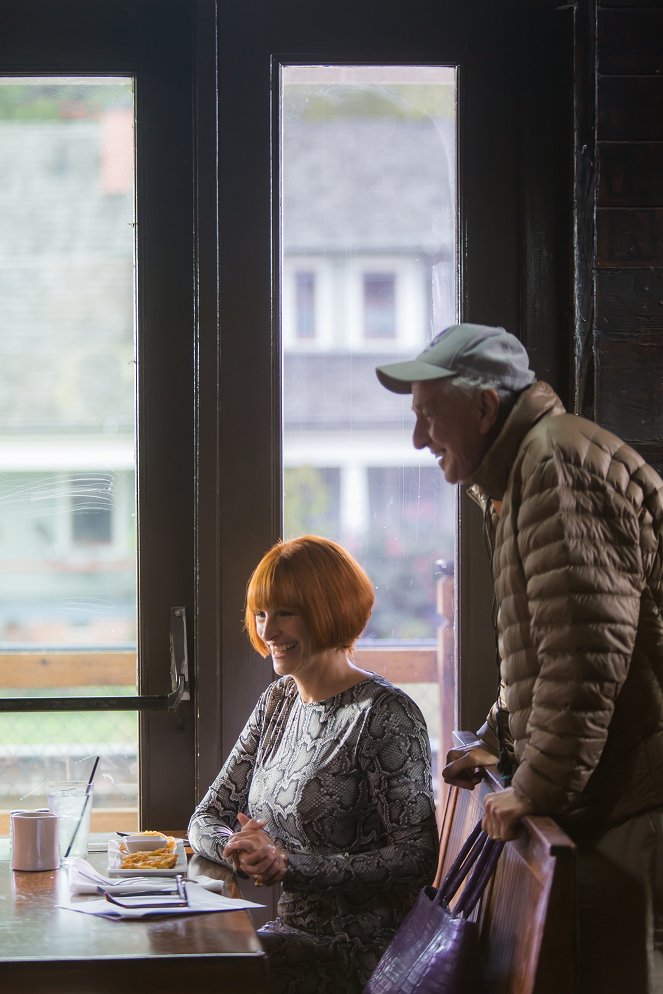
(115, 859)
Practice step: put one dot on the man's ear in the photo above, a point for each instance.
(489, 409)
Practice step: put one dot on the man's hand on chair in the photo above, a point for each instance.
(465, 766)
(502, 812)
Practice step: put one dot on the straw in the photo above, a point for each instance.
(84, 808)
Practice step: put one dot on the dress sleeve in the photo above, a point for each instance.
(215, 818)
(394, 756)
(578, 541)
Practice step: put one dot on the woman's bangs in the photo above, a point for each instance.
(273, 588)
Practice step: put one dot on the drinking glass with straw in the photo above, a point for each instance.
(72, 801)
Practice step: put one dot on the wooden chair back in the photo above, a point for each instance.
(527, 917)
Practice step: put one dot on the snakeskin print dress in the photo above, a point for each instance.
(345, 787)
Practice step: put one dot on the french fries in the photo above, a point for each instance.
(154, 859)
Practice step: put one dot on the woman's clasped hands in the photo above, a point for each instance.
(255, 853)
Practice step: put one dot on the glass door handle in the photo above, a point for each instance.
(179, 659)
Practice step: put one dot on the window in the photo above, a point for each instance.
(389, 298)
(68, 244)
(309, 298)
(379, 305)
(386, 222)
(97, 400)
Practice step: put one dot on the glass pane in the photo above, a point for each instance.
(67, 436)
(369, 215)
(305, 304)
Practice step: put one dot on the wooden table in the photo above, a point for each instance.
(49, 950)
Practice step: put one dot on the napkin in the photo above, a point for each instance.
(200, 901)
(84, 879)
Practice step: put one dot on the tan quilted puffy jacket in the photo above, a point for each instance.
(578, 568)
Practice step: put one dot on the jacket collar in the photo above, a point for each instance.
(491, 477)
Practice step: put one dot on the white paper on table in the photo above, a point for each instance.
(84, 879)
(199, 899)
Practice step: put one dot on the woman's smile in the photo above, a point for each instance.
(279, 649)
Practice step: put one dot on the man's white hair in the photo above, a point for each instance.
(474, 384)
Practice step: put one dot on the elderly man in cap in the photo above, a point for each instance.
(574, 519)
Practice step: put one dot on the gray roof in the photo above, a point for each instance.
(328, 176)
(339, 391)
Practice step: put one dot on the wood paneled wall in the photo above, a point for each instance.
(625, 45)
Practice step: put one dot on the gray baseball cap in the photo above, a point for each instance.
(464, 350)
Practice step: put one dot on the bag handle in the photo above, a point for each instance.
(461, 866)
(478, 857)
(482, 873)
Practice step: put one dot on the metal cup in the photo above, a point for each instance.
(34, 840)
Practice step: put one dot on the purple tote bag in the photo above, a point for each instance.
(436, 950)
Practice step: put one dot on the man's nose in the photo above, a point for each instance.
(420, 437)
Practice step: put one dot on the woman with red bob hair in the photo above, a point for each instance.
(328, 788)
(332, 591)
